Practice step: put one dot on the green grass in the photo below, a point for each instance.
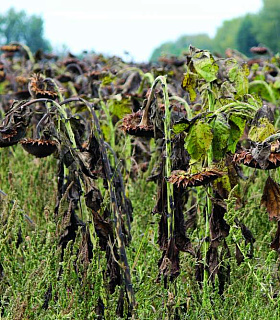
(30, 257)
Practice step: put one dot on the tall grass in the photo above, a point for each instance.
(36, 285)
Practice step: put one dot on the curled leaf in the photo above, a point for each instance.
(205, 64)
(237, 125)
(271, 199)
(189, 83)
(275, 244)
(262, 130)
(221, 133)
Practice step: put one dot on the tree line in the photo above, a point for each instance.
(242, 33)
(18, 26)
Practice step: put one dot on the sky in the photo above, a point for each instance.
(138, 27)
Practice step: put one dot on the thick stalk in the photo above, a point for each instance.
(144, 120)
(211, 104)
(167, 135)
(186, 105)
(146, 76)
(109, 121)
(26, 49)
(57, 88)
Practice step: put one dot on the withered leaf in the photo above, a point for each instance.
(169, 262)
(212, 262)
(238, 255)
(275, 244)
(219, 229)
(271, 199)
(189, 84)
(261, 154)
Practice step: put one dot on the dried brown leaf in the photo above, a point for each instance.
(275, 244)
(271, 199)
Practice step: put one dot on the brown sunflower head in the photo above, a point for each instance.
(10, 48)
(39, 87)
(131, 125)
(12, 135)
(185, 179)
(39, 148)
(13, 125)
(259, 50)
(245, 157)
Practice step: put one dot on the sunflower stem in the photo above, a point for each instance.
(26, 49)
(206, 301)
(186, 105)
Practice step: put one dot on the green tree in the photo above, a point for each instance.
(267, 25)
(178, 47)
(17, 26)
(163, 49)
(34, 36)
(246, 38)
(226, 36)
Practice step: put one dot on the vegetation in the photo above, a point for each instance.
(134, 191)
(240, 33)
(18, 26)
(179, 46)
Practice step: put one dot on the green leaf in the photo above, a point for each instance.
(189, 84)
(198, 140)
(238, 75)
(106, 132)
(180, 127)
(119, 108)
(262, 131)
(237, 126)
(266, 90)
(107, 80)
(276, 84)
(255, 100)
(205, 65)
(221, 133)
(227, 91)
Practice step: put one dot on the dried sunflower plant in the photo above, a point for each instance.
(46, 124)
